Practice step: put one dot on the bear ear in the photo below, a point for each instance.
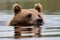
(16, 8)
(38, 7)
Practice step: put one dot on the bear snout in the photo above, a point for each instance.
(39, 21)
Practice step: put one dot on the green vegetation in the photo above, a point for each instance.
(24, 3)
(48, 5)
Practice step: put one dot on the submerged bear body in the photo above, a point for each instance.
(27, 17)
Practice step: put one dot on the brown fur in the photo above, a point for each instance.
(26, 17)
(20, 15)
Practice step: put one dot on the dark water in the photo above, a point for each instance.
(50, 30)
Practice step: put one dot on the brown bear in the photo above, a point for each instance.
(27, 17)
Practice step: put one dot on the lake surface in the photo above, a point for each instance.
(50, 30)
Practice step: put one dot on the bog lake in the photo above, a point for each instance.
(50, 30)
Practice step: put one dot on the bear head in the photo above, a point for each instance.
(27, 17)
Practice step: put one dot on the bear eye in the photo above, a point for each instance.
(38, 15)
(29, 16)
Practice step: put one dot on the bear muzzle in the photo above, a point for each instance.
(39, 22)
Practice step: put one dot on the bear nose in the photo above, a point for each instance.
(39, 20)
